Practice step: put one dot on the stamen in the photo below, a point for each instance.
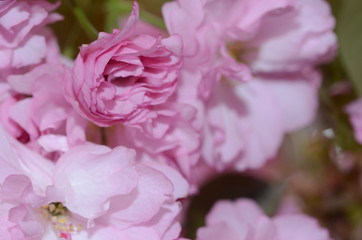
(56, 209)
(235, 50)
(61, 220)
(239, 51)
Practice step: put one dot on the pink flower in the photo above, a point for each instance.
(234, 38)
(354, 110)
(296, 95)
(244, 127)
(37, 113)
(170, 137)
(91, 192)
(258, 36)
(120, 77)
(275, 45)
(244, 220)
(25, 41)
(207, 29)
(243, 124)
(298, 39)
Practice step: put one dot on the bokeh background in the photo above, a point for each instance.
(318, 169)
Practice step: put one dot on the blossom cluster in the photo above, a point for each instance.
(111, 144)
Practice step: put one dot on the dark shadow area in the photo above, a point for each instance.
(229, 186)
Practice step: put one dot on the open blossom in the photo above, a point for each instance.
(120, 77)
(127, 79)
(37, 113)
(249, 69)
(91, 192)
(301, 38)
(244, 220)
(242, 124)
(247, 122)
(25, 41)
(265, 36)
(170, 136)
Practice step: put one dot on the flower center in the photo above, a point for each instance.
(61, 220)
(236, 50)
(56, 209)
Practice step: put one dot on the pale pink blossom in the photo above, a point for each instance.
(296, 95)
(244, 220)
(248, 95)
(260, 36)
(97, 191)
(299, 39)
(170, 137)
(25, 41)
(242, 124)
(354, 110)
(156, 125)
(121, 77)
(9, 124)
(208, 28)
(37, 113)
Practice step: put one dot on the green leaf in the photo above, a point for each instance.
(349, 31)
(85, 23)
(83, 20)
(116, 9)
